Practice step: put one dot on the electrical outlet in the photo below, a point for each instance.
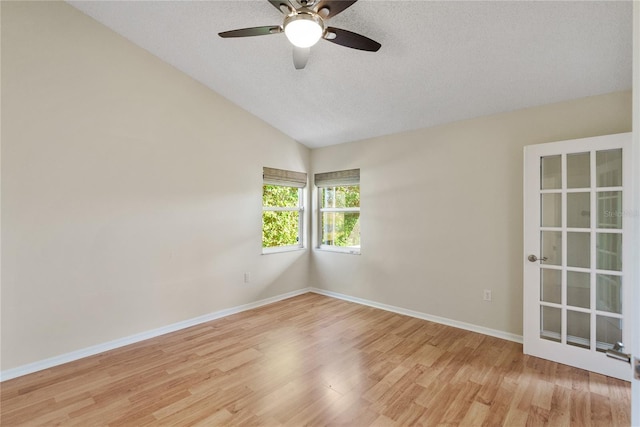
(247, 277)
(486, 295)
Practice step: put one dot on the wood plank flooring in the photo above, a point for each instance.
(314, 360)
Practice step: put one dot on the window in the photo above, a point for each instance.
(282, 210)
(339, 216)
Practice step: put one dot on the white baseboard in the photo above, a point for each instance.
(121, 342)
(436, 319)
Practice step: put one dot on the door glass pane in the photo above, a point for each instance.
(551, 244)
(579, 249)
(609, 168)
(550, 172)
(578, 289)
(578, 328)
(551, 285)
(608, 332)
(550, 323)
(609, 209)
(578, 210)
(551, 210)
(609, 293)
(578, 170)
(609, 251)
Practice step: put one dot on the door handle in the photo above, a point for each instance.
(533, 258)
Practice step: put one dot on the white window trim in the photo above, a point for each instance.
(339, 249)
(279, 249)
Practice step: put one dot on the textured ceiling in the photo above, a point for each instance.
(440, 61)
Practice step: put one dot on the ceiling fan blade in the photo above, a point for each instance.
(253, 31)
(352, 40)
(330, 8)
(284, 6)
(300, 57)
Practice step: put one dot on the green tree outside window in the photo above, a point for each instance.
(280, 216)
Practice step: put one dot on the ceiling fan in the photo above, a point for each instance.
(304, 25)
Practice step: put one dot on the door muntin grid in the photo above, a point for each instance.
(581, 283)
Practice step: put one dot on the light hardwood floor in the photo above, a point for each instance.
(315, 360)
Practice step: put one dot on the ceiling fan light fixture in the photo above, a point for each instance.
(303, 29)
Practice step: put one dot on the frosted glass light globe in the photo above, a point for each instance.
(303, 30)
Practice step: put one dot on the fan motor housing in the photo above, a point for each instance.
(304, 14)
(306, 3)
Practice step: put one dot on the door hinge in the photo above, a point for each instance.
(617, 352)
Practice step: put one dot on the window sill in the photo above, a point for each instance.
(341, 250)
(281, 249)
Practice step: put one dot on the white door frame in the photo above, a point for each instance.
(635, 222)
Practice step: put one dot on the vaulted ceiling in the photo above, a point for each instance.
(440, 61)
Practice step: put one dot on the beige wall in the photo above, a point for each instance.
(441, 210)
(131, 194)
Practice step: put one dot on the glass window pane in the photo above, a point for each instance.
(578, 170)
(578, 210)
(550, 172)
(341, 229)
(608, 332)
(609, 168)
(609, 251)
(550, 321)
(578, 249)
(578, 329)
(280, 228)
(551, 244)
(551, 285)
(609, 209)
(609, 293)
(341, 197)
(578, 289)
(551, 210)
(279, 196)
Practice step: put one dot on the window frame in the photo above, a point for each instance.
(287, 179)
(320, 229)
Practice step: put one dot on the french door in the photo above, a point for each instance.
(576, 297)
